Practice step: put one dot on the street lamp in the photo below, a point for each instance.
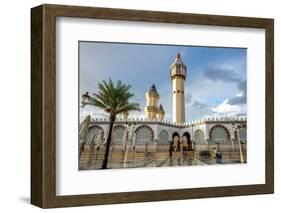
(236, 128)
(82, 134)
(130, 130)
(192, 138)
(129, 136)
(85, 99)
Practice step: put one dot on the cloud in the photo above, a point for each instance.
(222, 74)
(199, 105)
(198, 109)
(242, 86)
(238, 99)
(232, 106)
(231, 76)
(226, 108)
(219, 103)
(213, 76)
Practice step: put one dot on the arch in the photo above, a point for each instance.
(187, 135)
(187, 144)
(199, 136)
(219, 134)
(119, 134)
(95, 135)
(144, 135)
(163, 137)
(242, 134)
(175, 143)
(175, 134)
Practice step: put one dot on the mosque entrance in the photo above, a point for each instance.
(175, 143)
(187, 144)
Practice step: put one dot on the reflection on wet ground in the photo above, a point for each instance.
(150, 162)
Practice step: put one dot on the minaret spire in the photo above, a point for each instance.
(178, 76)
(178, 56)
(152, 98)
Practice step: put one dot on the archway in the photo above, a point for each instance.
(144, 135)
(163, 137)
(175, 143)
(219, 134)
(186, 141)
(243, 135)
(242, 130)
(94, 135)
(199, 136)
(119, 134)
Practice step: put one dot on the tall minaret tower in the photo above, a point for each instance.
(152, 98)
(178, 75)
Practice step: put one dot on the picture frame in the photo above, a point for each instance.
(43, 105)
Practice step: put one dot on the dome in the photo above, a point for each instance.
(153, 90)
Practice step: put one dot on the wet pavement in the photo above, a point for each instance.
(150, 162)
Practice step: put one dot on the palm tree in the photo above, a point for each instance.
(113, 99)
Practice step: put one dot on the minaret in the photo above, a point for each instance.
(178, 75)
(152, 97)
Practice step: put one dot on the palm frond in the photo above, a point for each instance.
(114, 98)
(128, 107)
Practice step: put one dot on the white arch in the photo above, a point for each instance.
(199, 136)
(219, 134)
(94, 135)
(118, 134)
(243, 134)
(163, 137)
(144, 135)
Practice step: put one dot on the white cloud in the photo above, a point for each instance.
(228, 109)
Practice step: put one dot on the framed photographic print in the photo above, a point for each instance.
(136, 106)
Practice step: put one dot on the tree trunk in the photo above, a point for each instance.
(108, 142)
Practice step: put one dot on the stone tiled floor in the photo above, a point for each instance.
(149, 162)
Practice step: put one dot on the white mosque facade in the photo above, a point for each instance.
(155, 134)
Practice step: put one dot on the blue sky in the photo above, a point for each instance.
(215, 84)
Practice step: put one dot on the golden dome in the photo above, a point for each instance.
(153, 91)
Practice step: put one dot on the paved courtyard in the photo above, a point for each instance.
(150, 162)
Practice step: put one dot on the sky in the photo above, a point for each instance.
(215, 85)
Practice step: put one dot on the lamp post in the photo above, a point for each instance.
(129, 136)
(84, 125)
(126, 115)
(236, 128)
(130, 131)
(85, 99)
(82, 134)
(192, 138)
(125, 160)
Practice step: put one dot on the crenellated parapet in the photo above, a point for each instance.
(208, 120)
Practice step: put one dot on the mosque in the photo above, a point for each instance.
(160, 138)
